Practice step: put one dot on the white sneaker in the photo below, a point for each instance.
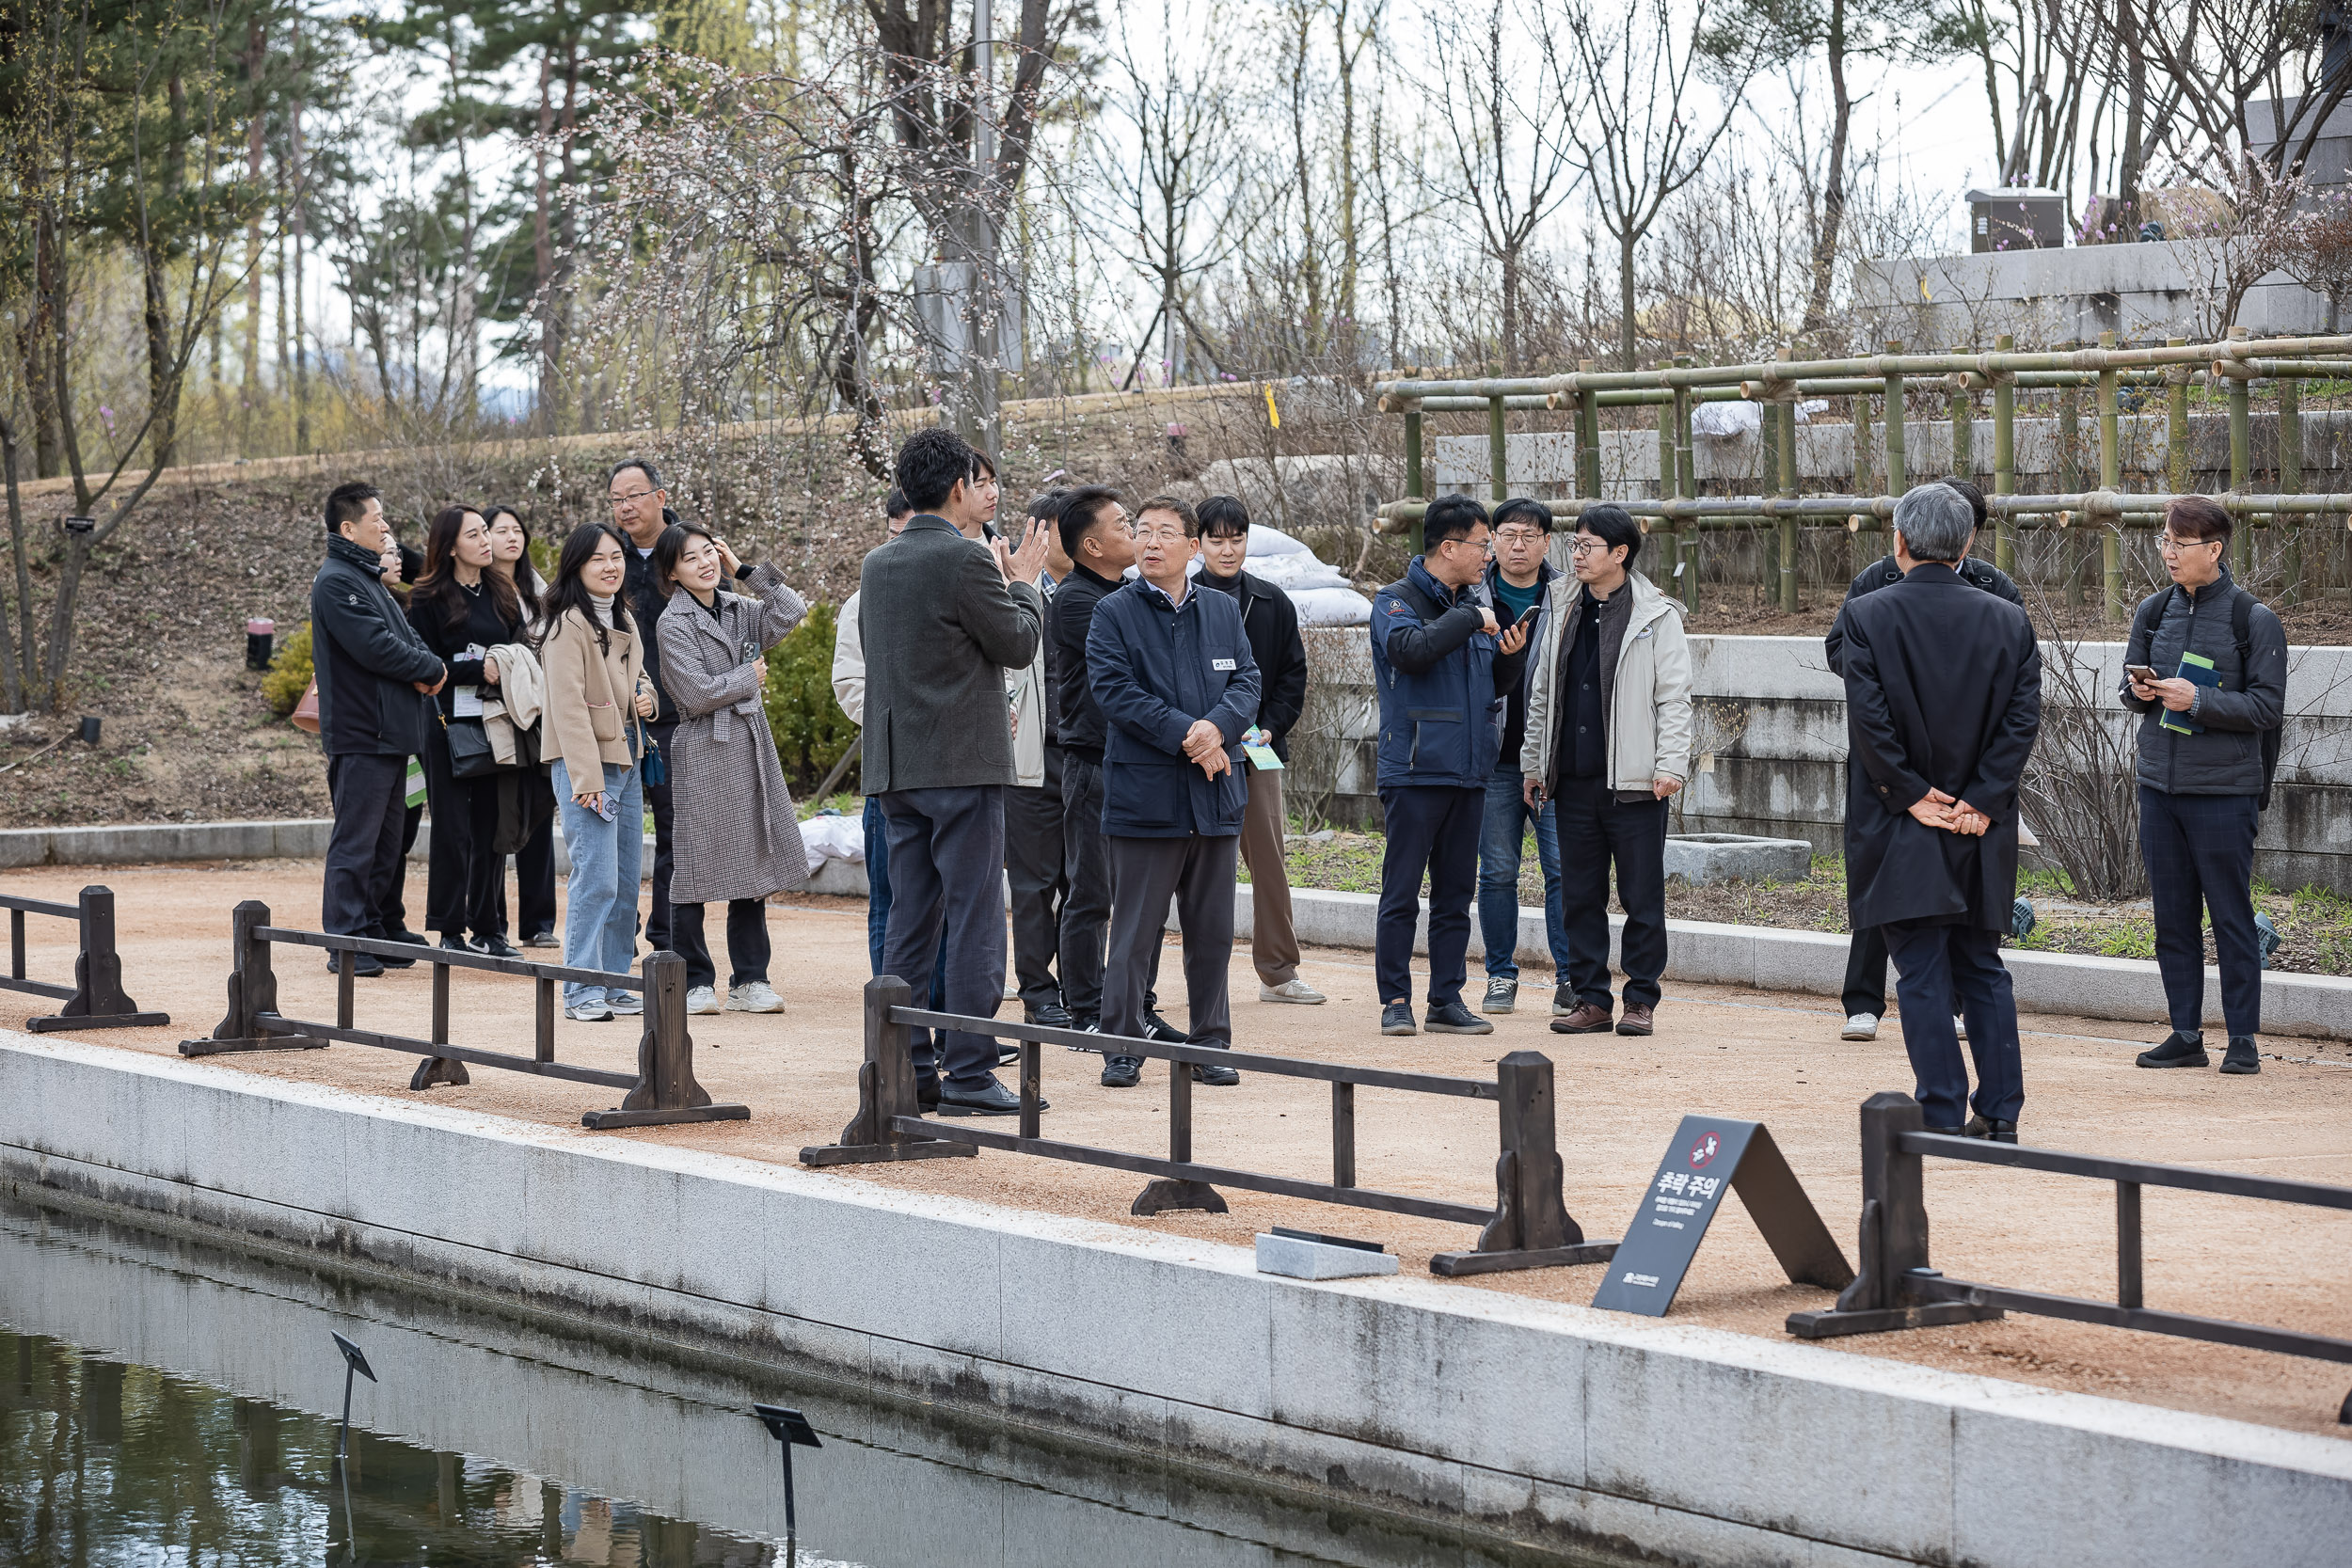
(589, 1012)
(1959, 1026)
(752, 996)
(1292, 989)
(624, 1002)
(702, 999)
(1861, 1026)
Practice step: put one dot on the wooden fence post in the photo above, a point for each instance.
(99, 1001)
(1963, 421)
(2291, 483)
(2110, 479)
(666, 1091)
(885, 1090)
(1413, 482)
(1498, 450)
(2070, 482)
(1791, 534)
(1588, 405)
(252, 992)
(2005, 455)
(1532, 1228)
(2241, 468)
(1897, 416)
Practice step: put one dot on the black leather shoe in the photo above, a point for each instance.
(2178, 1050)
(1451, 1017)
(1945, 1132)
(1052, 1016)
(1160, 1032)
(1397, 1018)
(498, 946)
(411, 938)
(364, 966)
(1215, 1075)
(1985, 1127)
(993, 1100)
(927, 1091)
(1008, 1053)
(455, 942)
(2241, 1057)
(1123, 1072)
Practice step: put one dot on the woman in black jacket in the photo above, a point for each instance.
(463, 608)
(535, 863)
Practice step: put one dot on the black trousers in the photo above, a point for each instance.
(2199, 853)
(1034, 851)
(1146, 873)
(391, 907)
(534, 880)
(1431, 830)
(1865, 973)
(368, 796)
(748, 949)
(1944, 970)
(946, 870)
(1596, 830)
(1086, 905)
(463, 875)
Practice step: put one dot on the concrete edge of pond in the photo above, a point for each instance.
(1706, 952)
(1534, 1420)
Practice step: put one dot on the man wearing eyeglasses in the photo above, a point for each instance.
(1442, 663)
(1517, 582)
(2206, 669)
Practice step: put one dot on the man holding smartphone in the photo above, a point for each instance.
(1517, 581)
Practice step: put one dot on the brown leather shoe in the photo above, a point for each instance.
(1590, 1018)
(1637, 1020)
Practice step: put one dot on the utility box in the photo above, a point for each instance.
(2016, 217)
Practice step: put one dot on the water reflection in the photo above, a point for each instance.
(104, 1462)
(195, 1423)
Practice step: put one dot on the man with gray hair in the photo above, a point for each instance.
(1942, 701)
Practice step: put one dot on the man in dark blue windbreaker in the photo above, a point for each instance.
(1442, 665)
(1171, 668)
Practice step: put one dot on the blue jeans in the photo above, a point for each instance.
(1500, 838)
(878, 901)
(607, 865)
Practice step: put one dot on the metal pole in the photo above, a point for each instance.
(2005, 457)
(1963, 425)
(2291, 482)
(2241, 462)
(2069, 439)
(1495, 483)
(1896, 419)
(2111, 477)
(1785, 415)
(1412, 466)
(1687, 486)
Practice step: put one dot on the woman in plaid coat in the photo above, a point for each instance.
(737, 837)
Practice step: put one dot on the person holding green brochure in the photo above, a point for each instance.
(2206, 668)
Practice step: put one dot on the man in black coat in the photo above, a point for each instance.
(1942, 702)
(941, 617)
(1271, 622)
(375, 676)
(1865, 954)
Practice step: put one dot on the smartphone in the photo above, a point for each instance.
(607, 805)
(1533, 610)
(2142, 673)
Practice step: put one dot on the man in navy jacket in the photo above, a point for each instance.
(1441, 666)
(1171, 671)
(373, 673)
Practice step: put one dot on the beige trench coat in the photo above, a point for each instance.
(734, 833)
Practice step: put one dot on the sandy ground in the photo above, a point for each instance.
(1761, 1056)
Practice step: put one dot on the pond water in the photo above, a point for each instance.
(163, 1402)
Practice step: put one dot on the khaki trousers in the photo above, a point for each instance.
(1273, 941)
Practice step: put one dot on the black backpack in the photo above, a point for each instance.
(2242, 605)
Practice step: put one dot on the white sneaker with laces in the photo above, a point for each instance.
(752, 996)
(589, 1012)
(1861, 1026)
(1292, 989)
(702, 999)
(624, 1002)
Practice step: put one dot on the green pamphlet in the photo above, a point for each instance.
(416, 781)
(2197, 670)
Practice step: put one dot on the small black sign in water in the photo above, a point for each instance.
(162, 1402)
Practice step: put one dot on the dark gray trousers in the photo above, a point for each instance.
(1198, 873)
(946, 870)
(1033, 870)
(1086, 909)
(370, 797)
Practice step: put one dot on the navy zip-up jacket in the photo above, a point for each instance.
(365, 654)
(1154, 667)
(1441, 684)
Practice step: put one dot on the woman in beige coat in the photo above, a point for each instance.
(592, 736)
